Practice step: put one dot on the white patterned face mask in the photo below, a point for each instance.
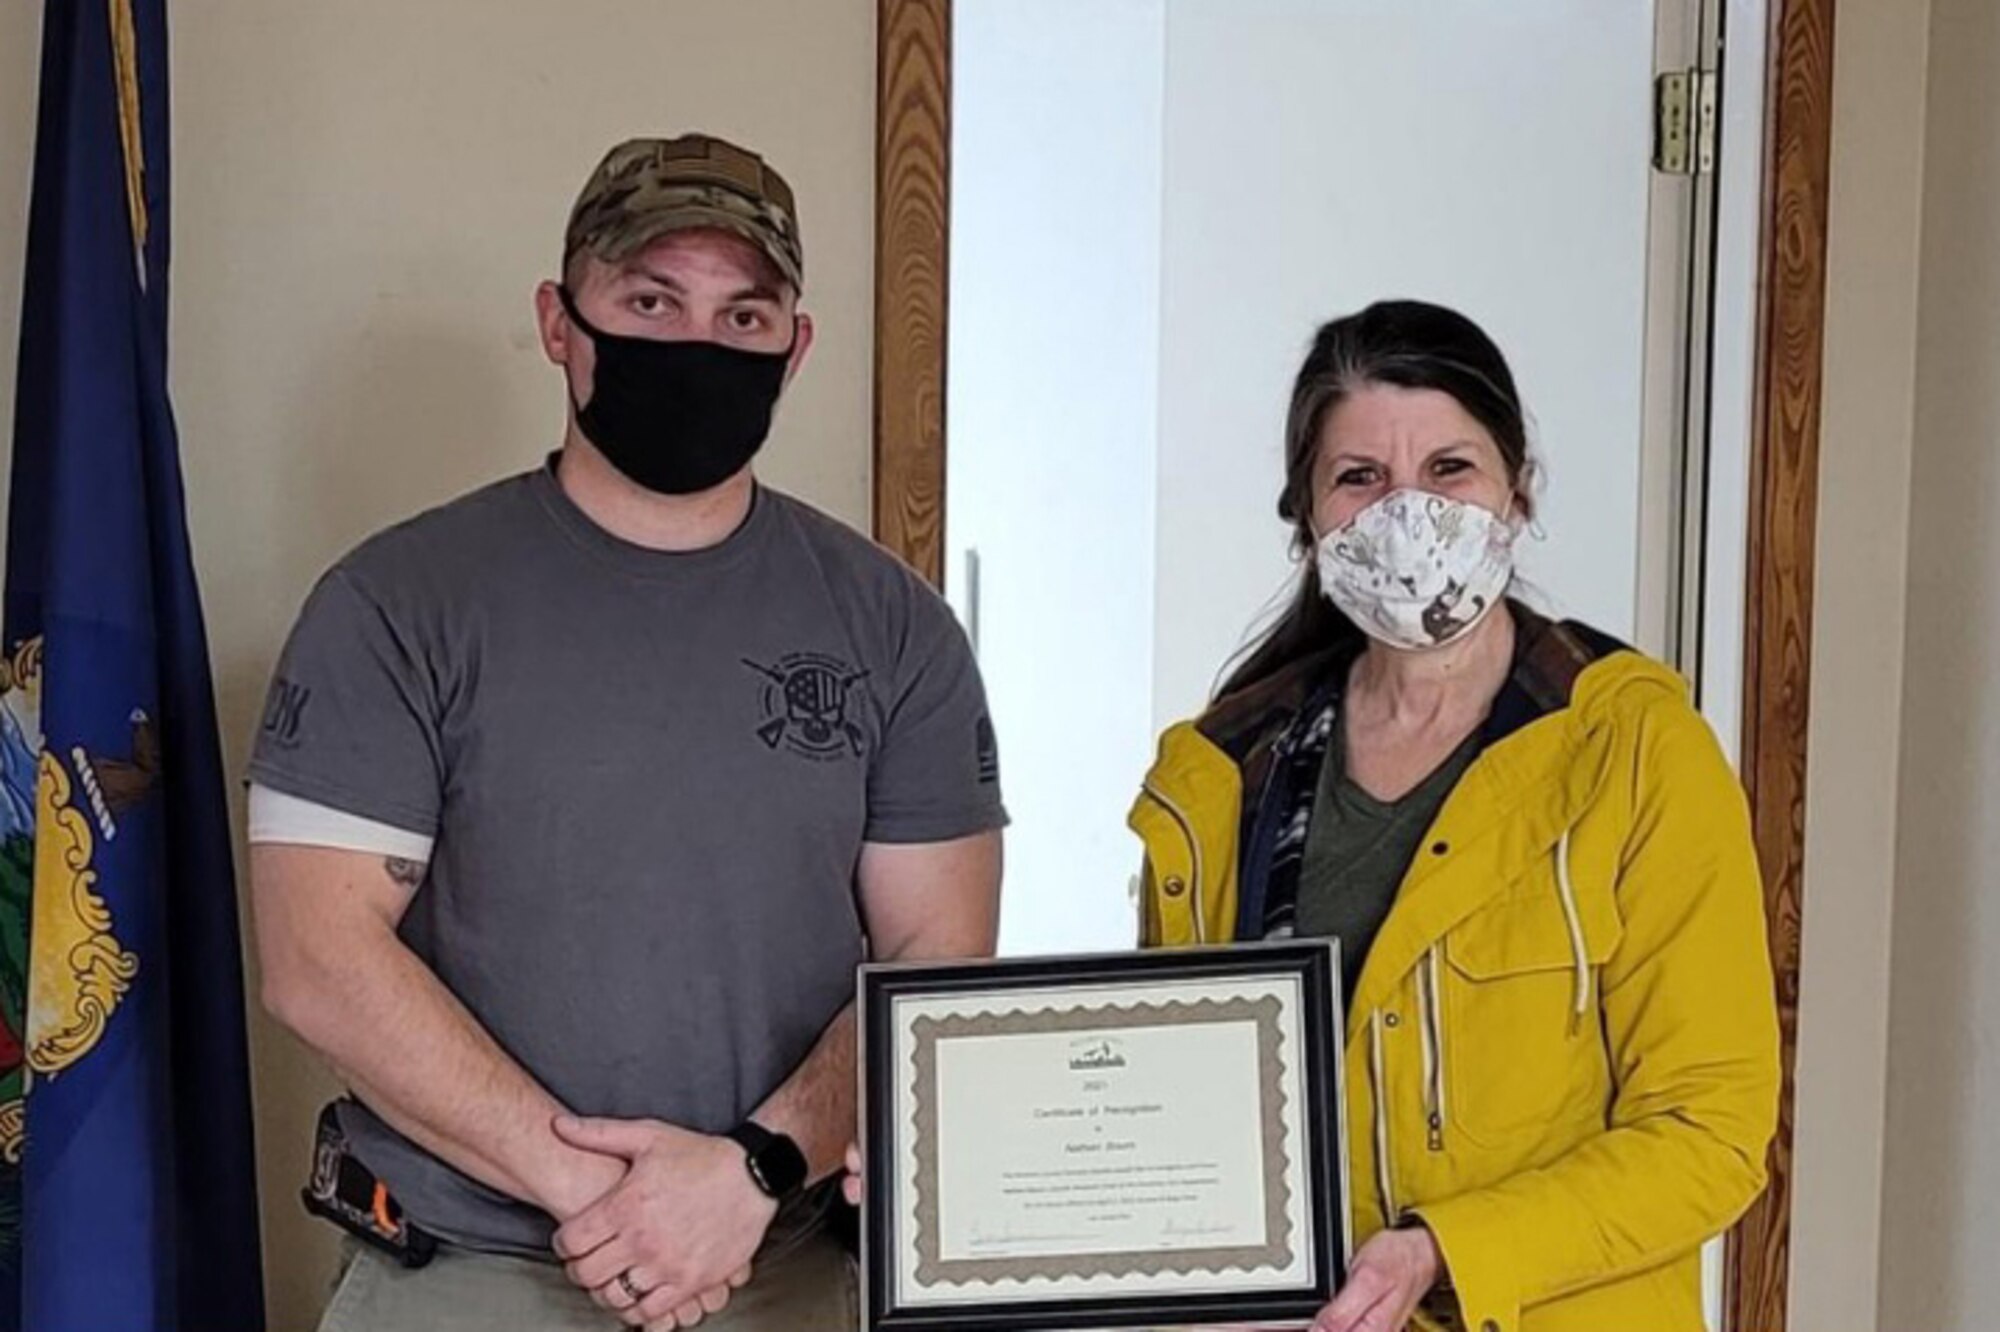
(1417, 570)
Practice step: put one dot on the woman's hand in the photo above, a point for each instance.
(1386, 1281)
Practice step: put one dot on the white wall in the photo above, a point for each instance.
(1055, 273)
(1941, 1191)
(1323, 155)
(366, 194)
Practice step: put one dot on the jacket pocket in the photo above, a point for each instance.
(1518, 1058)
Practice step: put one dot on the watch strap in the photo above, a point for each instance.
(777, 1166)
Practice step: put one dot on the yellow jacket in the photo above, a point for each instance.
(1562, 1053)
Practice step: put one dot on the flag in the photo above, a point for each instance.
(124, 1086)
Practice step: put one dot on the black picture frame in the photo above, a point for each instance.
(1316, 964)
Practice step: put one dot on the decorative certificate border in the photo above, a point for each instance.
(1288, 994)
(1266, 1013)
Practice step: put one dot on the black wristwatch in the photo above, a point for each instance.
(777, 1166)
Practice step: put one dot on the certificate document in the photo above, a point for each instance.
(1086, 1141)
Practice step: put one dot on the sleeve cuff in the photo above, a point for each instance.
(913, 828)
(1476, 1238)
(279, 818)
(371, 805)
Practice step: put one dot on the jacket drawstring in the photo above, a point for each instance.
(1578, 952)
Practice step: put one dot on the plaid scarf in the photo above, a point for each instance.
(1288, 799)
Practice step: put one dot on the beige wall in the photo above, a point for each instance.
(1899, 1191)
(1865, 447)
(1941, 1191)
(20, 55)
(366, 193)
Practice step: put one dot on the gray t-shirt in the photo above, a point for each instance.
(649, 777)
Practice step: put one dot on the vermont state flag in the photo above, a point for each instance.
(128, 1200)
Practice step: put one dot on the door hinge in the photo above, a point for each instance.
(1684, 122)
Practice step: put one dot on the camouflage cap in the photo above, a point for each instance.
(646, 188)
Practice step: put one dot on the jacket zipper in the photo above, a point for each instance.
(1433, 1041)
(1385, 1178)
(1194, 854)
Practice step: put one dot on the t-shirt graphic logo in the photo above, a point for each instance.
(805, 701)
(283, 707)
(987, 745)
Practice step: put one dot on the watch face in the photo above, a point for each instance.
(777, 1165)
(784, 1167)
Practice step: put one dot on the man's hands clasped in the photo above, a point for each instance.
(673, 1237)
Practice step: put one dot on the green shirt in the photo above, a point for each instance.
(1359, 848)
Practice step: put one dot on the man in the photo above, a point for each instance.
(577, 801)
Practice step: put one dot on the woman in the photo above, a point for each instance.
(1561, 1052)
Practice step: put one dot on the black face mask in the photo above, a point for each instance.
(677, 417)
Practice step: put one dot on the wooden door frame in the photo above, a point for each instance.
(912, 266)
(912, 254)
(1778, 606)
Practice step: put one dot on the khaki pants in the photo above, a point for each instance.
(808, 1287)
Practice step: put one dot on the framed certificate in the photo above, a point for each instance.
(1127, 1140)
